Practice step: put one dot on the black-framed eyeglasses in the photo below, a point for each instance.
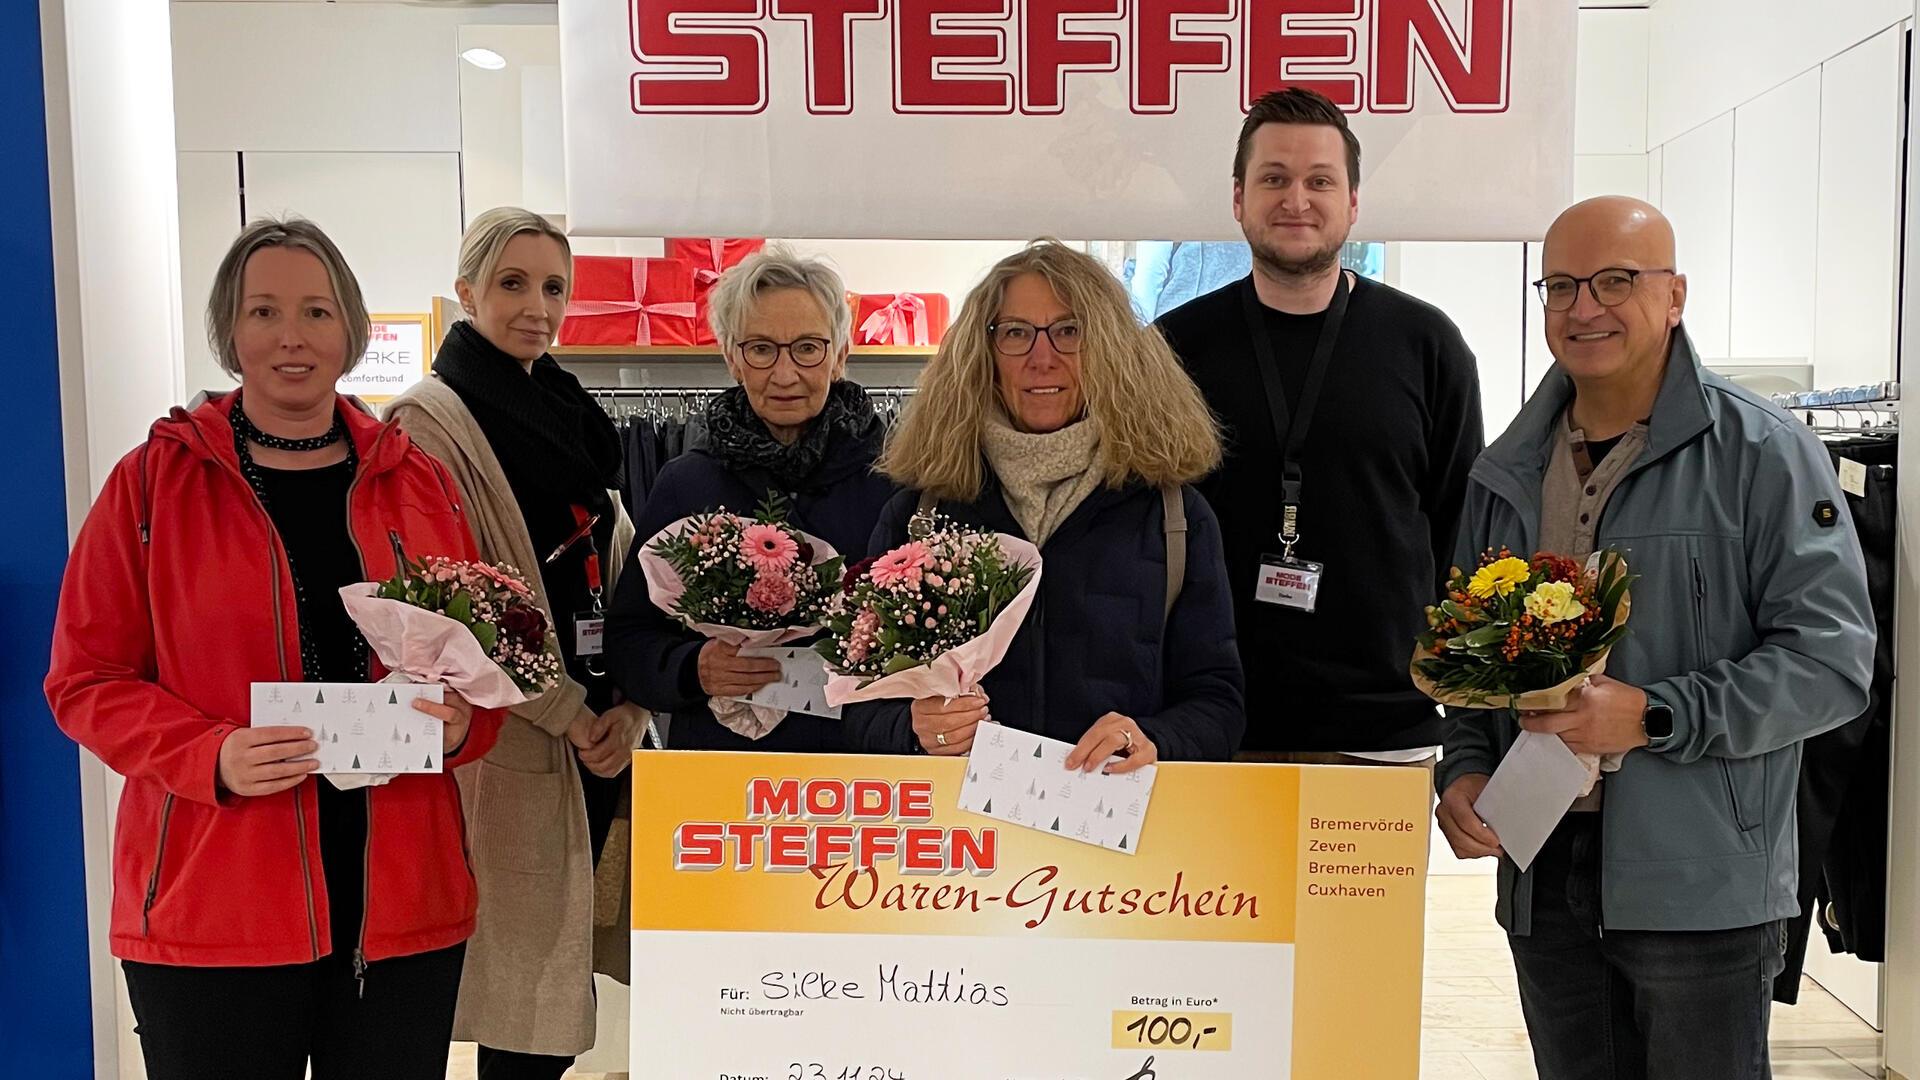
(1609, 287)
(763, 353)
(1016, 337)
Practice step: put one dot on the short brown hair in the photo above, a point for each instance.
(1296, 105)
(223, 303)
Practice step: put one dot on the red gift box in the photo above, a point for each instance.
(621, 301)
(899, 318)
(710, 257)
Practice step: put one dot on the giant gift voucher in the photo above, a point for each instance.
(814, 917)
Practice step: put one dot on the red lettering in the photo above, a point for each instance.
(916, 800)
(708, 56)
(976, 854)
(924, 852)
(1161, 51)
(826, 798)
(787, 847)
(832, 844)
(1049, 49)
(1473, 72)
(744, 836)
(829, 27)
(875, 843)
(698, 845)
(942, 50)
(1291, 43)
(871, 800)
(771, 798)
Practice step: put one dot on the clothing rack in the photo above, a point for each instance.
(1874, 408)
(681, 402)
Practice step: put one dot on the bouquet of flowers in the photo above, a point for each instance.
(751, 582)
(929, 618)
(471, 625)
(1523, 636)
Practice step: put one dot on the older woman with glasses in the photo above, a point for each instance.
(1050, 413)
(794, 427)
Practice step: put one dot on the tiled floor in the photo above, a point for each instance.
(1472, 1028)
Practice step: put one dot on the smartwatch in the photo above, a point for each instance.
(1657, 721)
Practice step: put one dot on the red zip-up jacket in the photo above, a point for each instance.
(177, 598)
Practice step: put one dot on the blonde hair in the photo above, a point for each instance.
(1154, 425)
(223, 301)
(489, 234)
(778, 267)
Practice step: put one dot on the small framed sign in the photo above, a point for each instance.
(399, 354)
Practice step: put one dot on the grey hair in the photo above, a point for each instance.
(223, 303)
(489, 234)
(778, 267)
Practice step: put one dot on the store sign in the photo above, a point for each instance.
(1096, 119)
(397, 356)
(816, 917)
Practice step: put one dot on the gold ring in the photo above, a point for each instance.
(941, 738)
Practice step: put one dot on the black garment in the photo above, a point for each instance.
(1098, 638)
(1841, 805)
(264, 1023)
(657, 660)
(1598, 449)
(559, 451)
(1397, 428)
(1636, 1004)
(740, 439)
(309, 511)
(494, 1064)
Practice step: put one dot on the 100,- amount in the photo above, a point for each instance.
(1133, 1030)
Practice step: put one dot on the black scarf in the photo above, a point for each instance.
(556, 445)
(847, 429)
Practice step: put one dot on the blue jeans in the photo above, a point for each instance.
(1631, 1004)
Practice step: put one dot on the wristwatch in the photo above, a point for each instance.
(1657, 720)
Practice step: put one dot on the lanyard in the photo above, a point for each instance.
(1290, 426)
(586, 521)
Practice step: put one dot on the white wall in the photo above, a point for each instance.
(1903, 877)
(110, 131)
(1857, 265)
(1697, 195)
(1710, 56)
(1776, 190)
(1481, 287)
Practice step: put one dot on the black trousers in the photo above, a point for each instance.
(198, 1023)
(1637, 1005)
(603, 802)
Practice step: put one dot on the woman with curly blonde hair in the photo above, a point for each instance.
(1050, 413)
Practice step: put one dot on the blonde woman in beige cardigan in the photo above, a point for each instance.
(535, 460)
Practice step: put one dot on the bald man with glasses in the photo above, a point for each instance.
(1647, 932)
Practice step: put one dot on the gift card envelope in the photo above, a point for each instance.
(1022, 778)
(802, 686)
(361, 727)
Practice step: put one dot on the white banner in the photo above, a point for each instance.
(1092, 119)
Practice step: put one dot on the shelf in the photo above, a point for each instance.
(650, 352)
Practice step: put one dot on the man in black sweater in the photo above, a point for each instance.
(1350, 408)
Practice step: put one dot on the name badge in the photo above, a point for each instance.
(1288, 583)
(589, 635)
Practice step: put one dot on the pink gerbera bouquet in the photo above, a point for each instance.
(930, 617)
(754, 573)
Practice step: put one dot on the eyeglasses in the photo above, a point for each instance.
(763, 353)
(1610, 287)
(1016, 338)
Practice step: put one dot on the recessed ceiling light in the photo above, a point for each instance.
(484, 58)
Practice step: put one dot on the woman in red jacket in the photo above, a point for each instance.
(266, 917)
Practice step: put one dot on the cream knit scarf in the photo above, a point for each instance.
(1044, 478)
